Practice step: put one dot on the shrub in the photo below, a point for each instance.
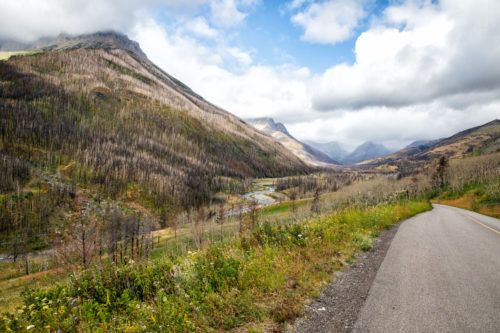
(267, 275)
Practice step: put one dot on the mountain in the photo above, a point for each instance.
(333, 149)
(482, 139)
(366, 151)
(94, 112)
(306, 153)
(422, 143)
(103, 40)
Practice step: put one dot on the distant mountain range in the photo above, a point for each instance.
(315, 153)
(333, 149)
(371, 155)
(306, 153)
(422, 143)
(478, 140)
(365, 151)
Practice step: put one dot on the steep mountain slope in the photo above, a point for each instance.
(303, 151)
(365, 151)
(482, 139)
(95, 112)
(333, 149)
(422, 143)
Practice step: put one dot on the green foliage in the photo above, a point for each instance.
(276, 234)
(265, 276)
(365, 242)
(480, 197)
(213, 272)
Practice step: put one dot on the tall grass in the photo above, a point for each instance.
(473, 183)
(261, 279)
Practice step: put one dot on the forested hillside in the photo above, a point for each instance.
(91, 119)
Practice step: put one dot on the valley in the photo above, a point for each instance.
(128, 202)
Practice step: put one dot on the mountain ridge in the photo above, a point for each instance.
(365, 151)
(121, 117)
(476, 140)
(305, 152)
(333, 149)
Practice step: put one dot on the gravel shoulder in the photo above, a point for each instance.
(337, 308)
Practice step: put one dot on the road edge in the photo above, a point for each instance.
(339, 304)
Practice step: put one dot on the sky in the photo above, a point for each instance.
(388, 71)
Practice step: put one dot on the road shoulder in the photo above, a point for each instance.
(338, 306)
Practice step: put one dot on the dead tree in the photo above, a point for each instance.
(439, 177)
(253, 210)
(197, 228)
(221, 215)
(315, 208)
(240, 219)
(293, 203)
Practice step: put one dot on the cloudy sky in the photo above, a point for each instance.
(390, 71)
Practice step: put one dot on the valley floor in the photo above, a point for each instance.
(261, 279)
(255, 270)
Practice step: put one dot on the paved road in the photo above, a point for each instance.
(441, 274)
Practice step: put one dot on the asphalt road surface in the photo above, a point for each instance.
(441, 274)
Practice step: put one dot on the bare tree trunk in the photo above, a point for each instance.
(240, 219)
(26, 264)
(84, 249)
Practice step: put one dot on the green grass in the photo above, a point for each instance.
(284, 207)
(276, 208)
(12, 286)
(260, 280)
(483, 198)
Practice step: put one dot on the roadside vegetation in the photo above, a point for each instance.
(267, 261)
(261, 279)
(472, 183)
(231, 265)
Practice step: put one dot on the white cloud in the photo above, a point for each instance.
(418, 53)
(242, 57)
(394, 127)
(226, 13)
(28, 20)
(251, 91)
(294, 4)
(423, 70)
(200, 27)
(329, 22)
